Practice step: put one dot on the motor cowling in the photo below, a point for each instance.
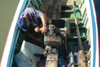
(52, 37)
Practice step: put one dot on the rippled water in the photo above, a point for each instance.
(7, 11)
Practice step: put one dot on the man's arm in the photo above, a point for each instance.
(45, 21)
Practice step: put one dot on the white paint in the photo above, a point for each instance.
(91, 34)
(90, 25)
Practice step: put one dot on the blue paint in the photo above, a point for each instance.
(65, 23)
(94, 33)
(62, 62)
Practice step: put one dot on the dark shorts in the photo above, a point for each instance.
(36, 35)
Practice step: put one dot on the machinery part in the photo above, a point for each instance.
(52, 60)
(52, 41)
(48, 48)
(72, 59)
(52, 38)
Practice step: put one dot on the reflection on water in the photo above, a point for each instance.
(7, 11)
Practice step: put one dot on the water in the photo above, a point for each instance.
(97, 7)
(7, 11)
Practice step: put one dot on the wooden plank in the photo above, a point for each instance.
(69, 19)
(81, 53)
(75, 39)
(77, 28)
(52, 60)
(53, 11)
(70, 2)
(66, 19)
(80, 27)
(54, 2)
(66, 5)
(79, 24)
(70, 11)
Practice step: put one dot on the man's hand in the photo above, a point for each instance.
(43, 29)
(37, 29)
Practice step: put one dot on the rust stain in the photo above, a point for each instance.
(52, 8)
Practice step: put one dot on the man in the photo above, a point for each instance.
(32, 22)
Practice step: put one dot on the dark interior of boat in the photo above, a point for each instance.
(63, 18)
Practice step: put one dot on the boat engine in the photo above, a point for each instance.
(52, 37)
(52, 40)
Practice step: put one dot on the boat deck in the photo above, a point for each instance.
(63, 17)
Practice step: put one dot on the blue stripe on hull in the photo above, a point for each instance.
(94, 33)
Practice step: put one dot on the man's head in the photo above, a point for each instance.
(22, 23)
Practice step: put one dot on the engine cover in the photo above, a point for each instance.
(52, 41)
(53, 37)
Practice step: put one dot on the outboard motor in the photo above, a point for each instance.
(51, 41)
(52, 37)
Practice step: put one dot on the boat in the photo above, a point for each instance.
(76, 17)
